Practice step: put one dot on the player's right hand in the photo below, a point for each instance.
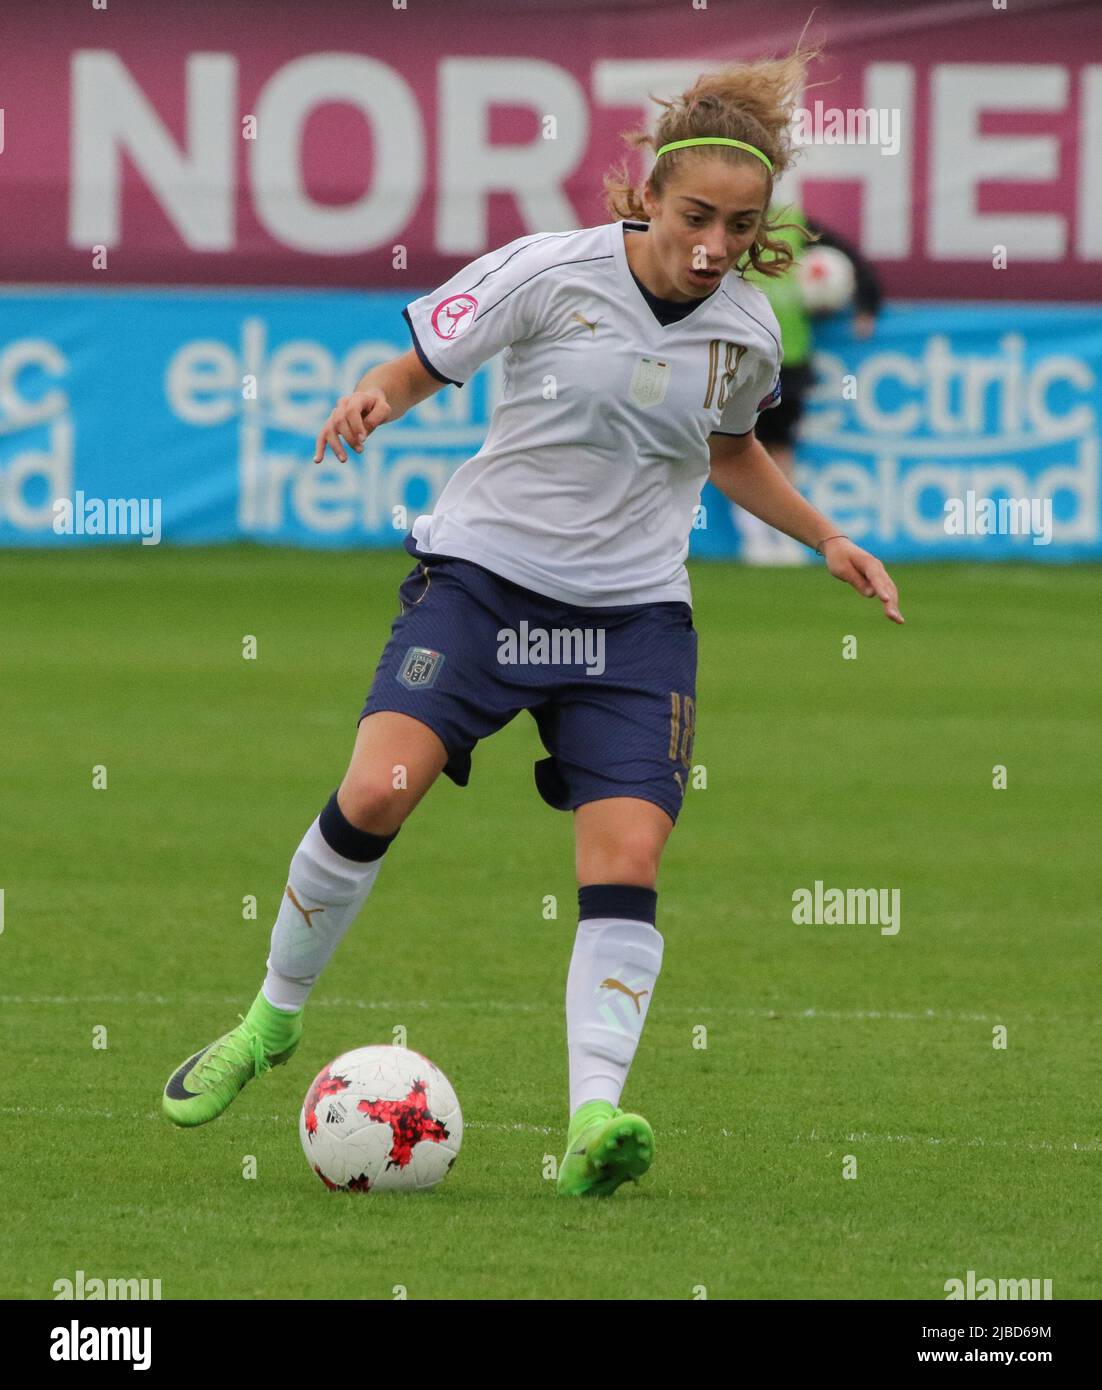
(352, 419)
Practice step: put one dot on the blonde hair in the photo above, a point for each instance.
(745, 101)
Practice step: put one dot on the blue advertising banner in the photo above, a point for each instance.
(964, 432)
(955, 432)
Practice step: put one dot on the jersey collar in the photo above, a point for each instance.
(620, 255)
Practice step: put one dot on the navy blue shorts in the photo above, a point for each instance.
(471, 649)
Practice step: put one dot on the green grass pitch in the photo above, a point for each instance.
(123, 912)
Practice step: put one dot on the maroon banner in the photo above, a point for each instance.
(378, 143)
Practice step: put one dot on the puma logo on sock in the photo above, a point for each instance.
(610, 983)
(307, 912)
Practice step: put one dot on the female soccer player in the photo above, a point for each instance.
(551, 577)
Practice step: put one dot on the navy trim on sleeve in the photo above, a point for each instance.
(732, 435)
(424, 360)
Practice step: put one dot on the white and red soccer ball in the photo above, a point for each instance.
(826, 279)
(381, 1119)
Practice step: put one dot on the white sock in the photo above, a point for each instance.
(324, 893)
(604, 1021)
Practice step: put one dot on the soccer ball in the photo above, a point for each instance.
(826, 279)
(380, 1119)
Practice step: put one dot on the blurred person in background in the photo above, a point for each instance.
(776, 428)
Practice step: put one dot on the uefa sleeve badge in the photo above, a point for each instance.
(774, 394)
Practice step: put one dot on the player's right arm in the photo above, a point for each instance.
(496, 300)
(385, 393)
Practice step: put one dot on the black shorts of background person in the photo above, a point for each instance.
(777, 425)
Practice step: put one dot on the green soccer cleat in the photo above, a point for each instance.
(201, 1088)
(604, 1148)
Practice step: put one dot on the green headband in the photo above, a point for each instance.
(717, 140)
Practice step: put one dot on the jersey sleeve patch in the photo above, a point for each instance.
(773, 397)
(492, 302)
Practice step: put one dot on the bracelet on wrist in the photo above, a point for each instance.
(838, 536)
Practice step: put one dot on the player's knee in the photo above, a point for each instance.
(374, 803)
(633, 861)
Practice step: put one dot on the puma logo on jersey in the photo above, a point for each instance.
(610, 983)
(591, 326)
(307, 912)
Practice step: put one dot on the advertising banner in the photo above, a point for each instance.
(337, 144)
(954, 432)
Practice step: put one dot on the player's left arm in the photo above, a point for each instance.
(743, 471)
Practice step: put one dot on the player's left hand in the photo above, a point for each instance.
(868, 576)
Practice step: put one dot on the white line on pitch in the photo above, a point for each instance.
(1043, 1145)
(518, 1006)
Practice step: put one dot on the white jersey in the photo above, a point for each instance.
(587, 484)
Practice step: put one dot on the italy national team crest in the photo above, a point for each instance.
(649, 382)
(420, 668)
